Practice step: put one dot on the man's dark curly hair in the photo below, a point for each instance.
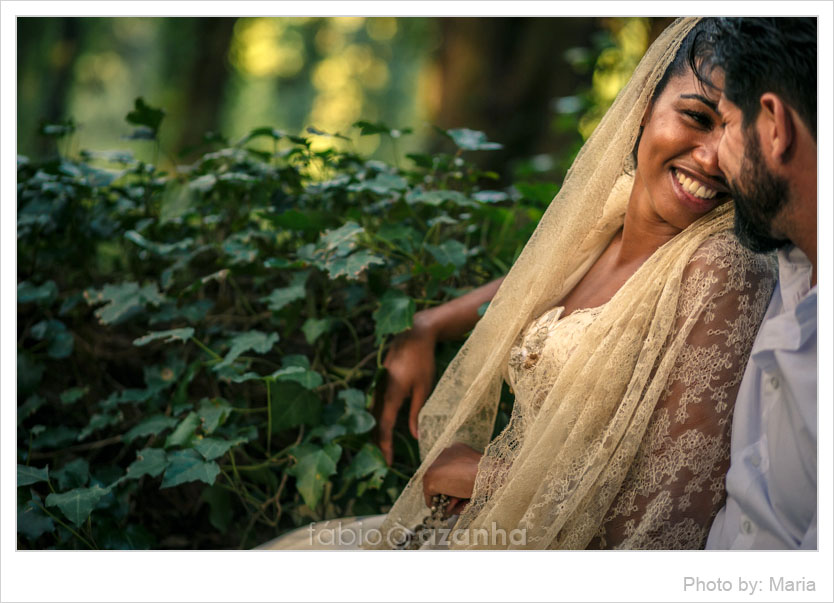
(758, 55)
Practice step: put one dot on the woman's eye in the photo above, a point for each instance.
(702, 119)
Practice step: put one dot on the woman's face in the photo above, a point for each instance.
(678, 176)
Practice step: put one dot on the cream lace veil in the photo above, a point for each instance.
(557, 475)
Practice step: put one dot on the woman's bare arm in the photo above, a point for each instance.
(410, 359)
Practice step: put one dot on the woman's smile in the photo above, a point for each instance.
(691, 190)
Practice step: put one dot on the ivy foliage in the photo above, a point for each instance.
(198, 349)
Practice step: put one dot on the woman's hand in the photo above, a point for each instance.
(410, 360)
(411, 367)
(453, 474)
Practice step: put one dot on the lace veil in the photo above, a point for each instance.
(557, 476)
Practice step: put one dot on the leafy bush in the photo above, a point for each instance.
(197, 350)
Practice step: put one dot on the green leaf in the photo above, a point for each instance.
(43, 294)
(395, 313)
(184, 433)
(435, 198)
(73, 394)
(368, 460)
(31, 475)
(188, 466)
(77, 504)
(307, 378)
(213, 413)
(55, 333)
(367, 128)
(313, 466)
(293, 219)
(171, 335)
(151, 426)
(32, 522)
(220, 507)
(342, 240)
(149, 461)
(257, 341)
(381, 184)
(356, 418)
(145, 115)
(314, 328)
(29, 373)
(353, 265)
(293, 405)
(449, 252)
(285, 295)
(122, 299)
(490, 196)
(32, 404)
(472, 140)
(74, 474)
(99, 420)
(212, 448)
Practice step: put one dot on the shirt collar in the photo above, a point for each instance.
(794, 276)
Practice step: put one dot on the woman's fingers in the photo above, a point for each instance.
(418, 398)
(393, 399)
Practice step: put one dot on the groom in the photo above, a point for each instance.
(767, 69)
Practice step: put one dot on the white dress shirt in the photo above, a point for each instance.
(772, 481)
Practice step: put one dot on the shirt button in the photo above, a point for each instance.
(746, 526)
(774, 381)
(756, 460)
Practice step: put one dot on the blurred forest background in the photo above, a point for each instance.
(536, 85)
(222, 224)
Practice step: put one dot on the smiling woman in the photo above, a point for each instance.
(622, 330)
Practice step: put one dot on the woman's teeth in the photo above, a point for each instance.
(694, 187)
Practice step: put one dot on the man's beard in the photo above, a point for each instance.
(758, 195)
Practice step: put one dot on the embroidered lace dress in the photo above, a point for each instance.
(675, 484)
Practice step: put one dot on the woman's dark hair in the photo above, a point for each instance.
(758, 55)
(679, 65)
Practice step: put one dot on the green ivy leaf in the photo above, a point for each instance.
(77, 504)
(212, 448)
(472, 140)
(305, 377)
(353, 265)
(490, 196)
(122, 299)
(31, 475)
(32, 522)
(73, 395)
(30, 407)
(153, 425)
(293, 405)
(313, 466)
(145, 115)
(168, 336)
(74, 474)
(356, 419)
(55, 333)
(43, 294)
(188, 466)
(285, 295)
(213, 413)
(184, 433)
(449, 252)
(220, 507)
(436, 198)
(99, 420)
(368, 460)
(395, 313)
(381, 184)
(314, 328)
(149, 461)
(251, 340)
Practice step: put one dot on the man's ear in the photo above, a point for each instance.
(776, 127)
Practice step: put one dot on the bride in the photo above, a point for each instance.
(622, 329)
